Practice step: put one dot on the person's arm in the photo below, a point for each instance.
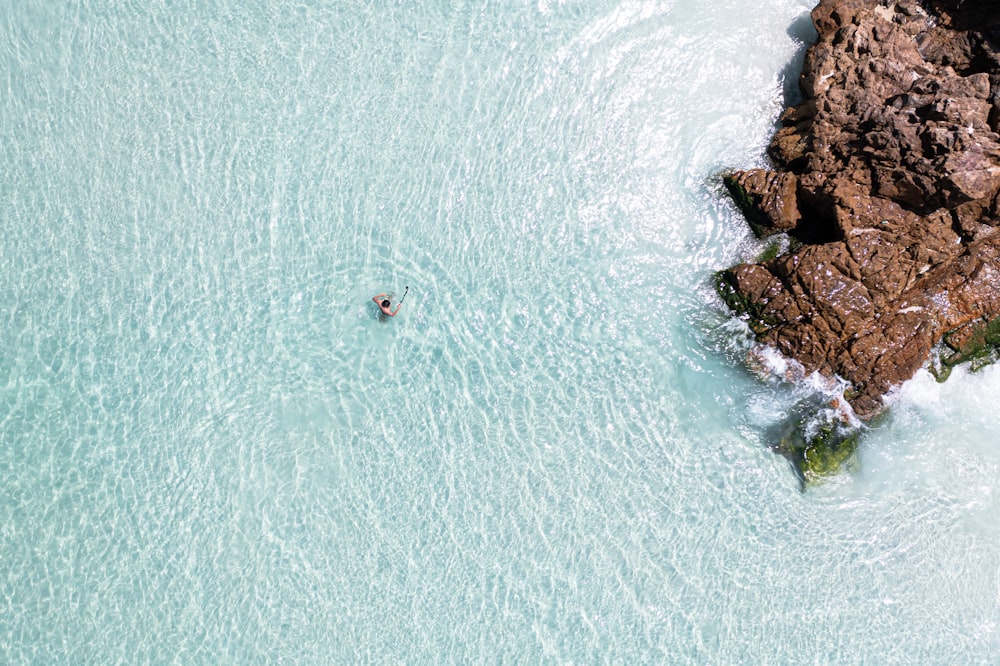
(378, 299)
(398, 305)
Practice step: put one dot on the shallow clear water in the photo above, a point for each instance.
(212, 451)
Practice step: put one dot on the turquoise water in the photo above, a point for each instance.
(212, 451)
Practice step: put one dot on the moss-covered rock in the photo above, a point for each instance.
(818, 443)
(939, 369)
(976, 342)
(772, 250)
(742, 304)
(731, 296)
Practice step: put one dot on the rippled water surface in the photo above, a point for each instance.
(213, 451)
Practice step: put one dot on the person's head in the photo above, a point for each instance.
(385, 303)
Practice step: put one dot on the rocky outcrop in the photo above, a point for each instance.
(886, 177)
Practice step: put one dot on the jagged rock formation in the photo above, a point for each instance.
(886, 176)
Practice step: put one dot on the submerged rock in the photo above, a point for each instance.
(887, 174)
(818, 441)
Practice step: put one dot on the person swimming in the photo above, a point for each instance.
(385, 305)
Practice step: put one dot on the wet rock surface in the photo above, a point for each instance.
(887, 176)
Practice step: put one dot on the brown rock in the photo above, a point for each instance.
(889, 172)
(767, 198)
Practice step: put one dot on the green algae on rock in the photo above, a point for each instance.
(818, 442)
(977, 340)
(752, 309)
